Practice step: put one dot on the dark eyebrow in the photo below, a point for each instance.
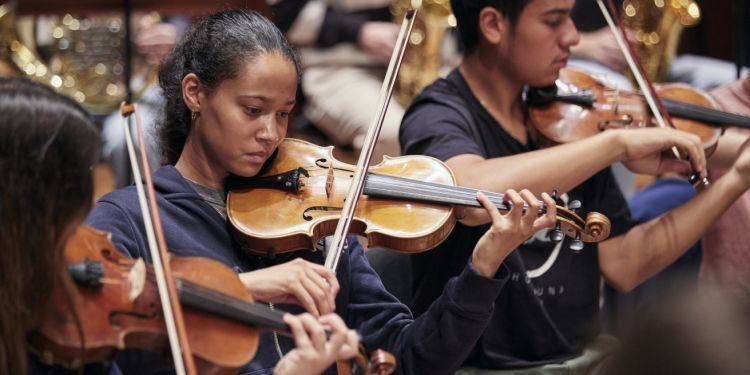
(259, 97)
(557, 11)
(266, 99)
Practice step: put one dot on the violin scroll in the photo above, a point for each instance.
(595, 228)
(380, 362)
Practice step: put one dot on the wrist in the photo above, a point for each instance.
(486, 264)
(736, 181)
(614, 143)
(249, 281)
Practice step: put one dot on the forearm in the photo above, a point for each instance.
(628, 260)
(726, 152)
(558, 168)
(440, 340)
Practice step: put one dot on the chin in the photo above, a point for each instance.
(550, 77)
(543, 81)
(247, 170)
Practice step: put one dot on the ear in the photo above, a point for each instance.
(192, 92)
(492, 25)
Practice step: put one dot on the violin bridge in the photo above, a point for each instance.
(329, 182)
(613, 98)
(137, 279)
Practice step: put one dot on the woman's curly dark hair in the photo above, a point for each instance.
(214, 50)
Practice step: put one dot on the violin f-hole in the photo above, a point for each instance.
(625, 121)
(308, 217)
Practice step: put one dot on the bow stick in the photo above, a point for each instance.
(655, 104)
(335, 247)
(172, 311)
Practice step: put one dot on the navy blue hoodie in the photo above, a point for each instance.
(435, 343)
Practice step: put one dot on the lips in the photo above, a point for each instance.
(258, 157)
(562, 60)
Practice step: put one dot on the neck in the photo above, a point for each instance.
(195, 165)
(498, 91)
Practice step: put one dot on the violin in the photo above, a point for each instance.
(579, 106)
(117, 298)
(407, 204)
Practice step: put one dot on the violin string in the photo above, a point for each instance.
(407, 191)
(407, 188)
(394, 186)
(426, 191)
(696, 112)
(445, 193)
(250, 309)
(453, 194)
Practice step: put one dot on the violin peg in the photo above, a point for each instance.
(556, 235)
(576, 245)
(698, 182)
(574, 205)
(87, 273)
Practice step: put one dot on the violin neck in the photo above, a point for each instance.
(252, 313)
(674, 108)
(704, 114)
(393, 187)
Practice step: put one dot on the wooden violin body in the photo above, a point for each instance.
(272, 219)
(586, 106)
(406, 206)
(117, 302)
(120, 308)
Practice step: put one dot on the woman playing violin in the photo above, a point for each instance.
(47, 151)
(475, 120)
(230, 86)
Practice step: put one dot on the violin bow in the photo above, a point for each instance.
(655, 104)
(172, 311)
(335, 247)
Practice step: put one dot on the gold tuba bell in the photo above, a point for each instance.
(423, 61)
(81, 57)
(658, 25)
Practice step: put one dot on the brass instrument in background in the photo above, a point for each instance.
(81, 57)
(658, 25)
(422, 63)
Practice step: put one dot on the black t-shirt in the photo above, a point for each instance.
(550, 307)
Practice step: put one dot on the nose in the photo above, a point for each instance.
(269, 131)
(570, 36)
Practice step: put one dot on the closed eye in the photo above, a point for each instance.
(253, 110)
(554, 22)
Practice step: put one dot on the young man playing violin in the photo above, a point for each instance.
(475, 120)
(230, 85)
